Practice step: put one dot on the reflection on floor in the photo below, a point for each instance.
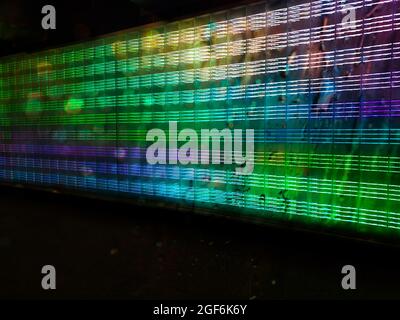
(105, 249)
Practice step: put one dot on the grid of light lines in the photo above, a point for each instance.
(322, 97)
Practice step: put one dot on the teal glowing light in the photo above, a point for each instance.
(323, 101)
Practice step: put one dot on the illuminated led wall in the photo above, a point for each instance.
(321, 94)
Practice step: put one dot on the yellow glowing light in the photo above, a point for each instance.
(119, 49)
(151, 40)
(43, 67)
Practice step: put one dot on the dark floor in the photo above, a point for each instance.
(109, 250)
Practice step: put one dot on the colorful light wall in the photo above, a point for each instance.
(322, 97)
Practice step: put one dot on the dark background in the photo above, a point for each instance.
(105, 249)
(77, 20)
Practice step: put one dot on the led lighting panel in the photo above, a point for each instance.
(316, 83)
